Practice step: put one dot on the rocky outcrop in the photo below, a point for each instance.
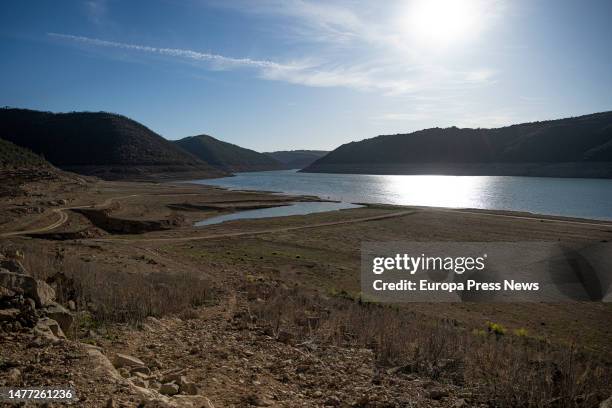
(49, 328)
(25, 285)
(61, 315)
(27, 303)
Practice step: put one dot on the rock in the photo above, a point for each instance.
(71, 305)
(123, 360)
(14, 377)
(139, 382)
(60, 315)
(42, 293)
(460, 403)
(13, 265)
(437, 394)
(110, 403)
(173, 376)
(606, 404)
(141, 375)
(188, 387)
(156, 363)
(140, 369)
(8, 315)
(49, 328)
(169, 389)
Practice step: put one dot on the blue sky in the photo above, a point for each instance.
(272, 75)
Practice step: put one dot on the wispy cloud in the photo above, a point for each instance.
(386, 76)
(219, 61)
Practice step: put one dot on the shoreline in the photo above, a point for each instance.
(467, 210)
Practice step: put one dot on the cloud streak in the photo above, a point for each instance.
(389, 77)
(219, 60)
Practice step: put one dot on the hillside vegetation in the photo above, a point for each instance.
(572, 147)
(14, 156)
(104, 144)
(297, 159)
(227, 156)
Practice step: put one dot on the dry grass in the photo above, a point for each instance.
(505, 370)
(501, 368)
(115, 296)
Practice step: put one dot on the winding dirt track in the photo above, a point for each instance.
(63, 217)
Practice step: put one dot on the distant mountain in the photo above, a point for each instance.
(297, 159)
(103, 144)
(572, 147)
(227, 156)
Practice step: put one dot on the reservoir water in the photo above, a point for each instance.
(298, 208)
(584, 198)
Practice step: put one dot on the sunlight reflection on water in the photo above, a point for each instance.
(588, 198)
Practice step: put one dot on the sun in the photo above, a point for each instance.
(441, 22)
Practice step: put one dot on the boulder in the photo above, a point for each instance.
(60, 315)
(49, 328)
(124, 360)
(169, 389)
(42, 293)
(606, 404)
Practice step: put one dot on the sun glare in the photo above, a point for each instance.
(441, 22)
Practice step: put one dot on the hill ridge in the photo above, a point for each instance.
(104, 144)
(570, 147)
(225, 155)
